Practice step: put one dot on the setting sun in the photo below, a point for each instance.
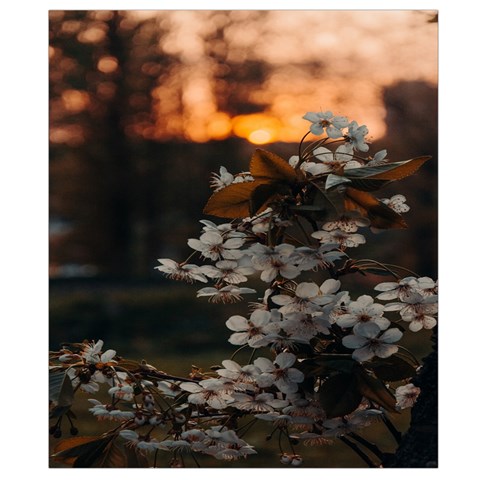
(260, 137)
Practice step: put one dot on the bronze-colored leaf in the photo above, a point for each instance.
(403, 170)
(269, 166)
(379, 214)
(339, 395)
(374, 389)
(70, 449)
(233, 201)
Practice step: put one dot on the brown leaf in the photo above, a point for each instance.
(269, 166)
(409, 167)
(70, 450)
(379, 214)
(233, 201)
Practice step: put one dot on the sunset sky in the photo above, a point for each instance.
(361, 51)
(355, 55)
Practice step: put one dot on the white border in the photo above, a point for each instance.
(24, 191)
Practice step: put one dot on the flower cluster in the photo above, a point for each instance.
(322, 365)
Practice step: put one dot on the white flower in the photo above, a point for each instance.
(306, 258)
(279, 373)
(356, 136)
(304, 325)
(92, 353)
(251, 330)
(227, 270)
(312, 168)
(176, 271)
(141, 442)
(368, 344)
(211, 245)
(122, 391)
(400, 289)
(426, 286)
(210, 391)
(228, 294)
(322, 121)
(308, 297)
(261, 402)
(360, 418)
(417, 310)
(221, 180)
(340, 238)
(346, 224)
(406, 395)
(274, 261)
(396, 203)
(363, 311)
(244, 377)
(107, 412)
(378, 159)
(342, 159)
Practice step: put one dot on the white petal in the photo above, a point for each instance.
(330, 286)
(240, 338)
(363, 354)
(191, 387)
(384, 351)
(391, 335)
(237, 323)
(367, 330)
(285, 359)
(354, 341)
(264, 364)
(306, 290)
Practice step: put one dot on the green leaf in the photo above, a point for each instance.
(339, 395)
(374, 389)
(392, 369)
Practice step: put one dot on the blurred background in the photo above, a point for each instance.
(145, 104)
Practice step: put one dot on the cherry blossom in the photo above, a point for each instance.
(279, 373)
(368, 344)
(251, 330)
(308, 297)
(221, 180)
(406, 395)
(209, 391)
(212, 245)
(227, 270)
(227, 294)
(326, 121)
(356, 136)
(273, 262)
(340, 238)
(178, 271)
(363, 310)
(396, 203)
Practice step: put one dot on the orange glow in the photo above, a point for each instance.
(257, 128)
(259, 137)
(107, 64)
(75, 100)
(219, 126)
